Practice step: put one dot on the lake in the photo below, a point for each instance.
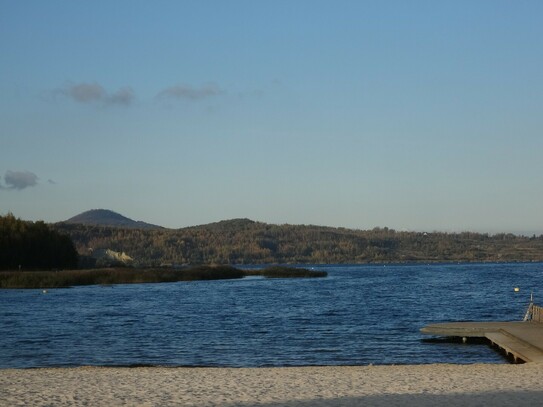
(358, 315)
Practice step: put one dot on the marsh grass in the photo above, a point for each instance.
(69, 278)
(286, 272)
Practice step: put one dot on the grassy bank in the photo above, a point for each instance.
(69, 278)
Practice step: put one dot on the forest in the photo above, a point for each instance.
(34, 245)
(243, 241)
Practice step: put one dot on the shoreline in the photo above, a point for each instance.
(406, 385)
(233, 367)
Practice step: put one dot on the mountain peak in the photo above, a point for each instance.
(106, 217)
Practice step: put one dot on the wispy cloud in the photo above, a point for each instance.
(85, 92)
(19, 180)
(95, 93)
(123, 96)
(191, 93)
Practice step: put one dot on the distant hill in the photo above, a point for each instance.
(105, 217)
(231, 225)
(243, 241)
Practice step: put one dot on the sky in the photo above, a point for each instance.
(414, 115)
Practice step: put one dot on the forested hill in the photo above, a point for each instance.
(242, 241)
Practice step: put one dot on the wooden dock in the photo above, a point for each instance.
(521, 340)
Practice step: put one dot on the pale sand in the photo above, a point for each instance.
(415, 385)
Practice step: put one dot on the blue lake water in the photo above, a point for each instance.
(358, 315)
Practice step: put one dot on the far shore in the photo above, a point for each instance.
(405, 385)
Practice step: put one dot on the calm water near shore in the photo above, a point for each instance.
(358, 315)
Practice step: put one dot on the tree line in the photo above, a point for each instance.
(242, 241)
(34, 245)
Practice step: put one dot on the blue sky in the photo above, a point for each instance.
(416, 115)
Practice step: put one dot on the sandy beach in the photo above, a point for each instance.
(408, 385)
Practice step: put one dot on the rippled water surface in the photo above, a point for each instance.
(356, 316)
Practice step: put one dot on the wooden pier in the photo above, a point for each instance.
(521, 340)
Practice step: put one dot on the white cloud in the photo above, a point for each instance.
(20, 179)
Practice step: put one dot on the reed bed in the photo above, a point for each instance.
(109, 276)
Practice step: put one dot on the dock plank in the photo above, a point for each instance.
(524, 340)
(518, 348)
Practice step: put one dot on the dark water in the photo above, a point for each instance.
(356, 316)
